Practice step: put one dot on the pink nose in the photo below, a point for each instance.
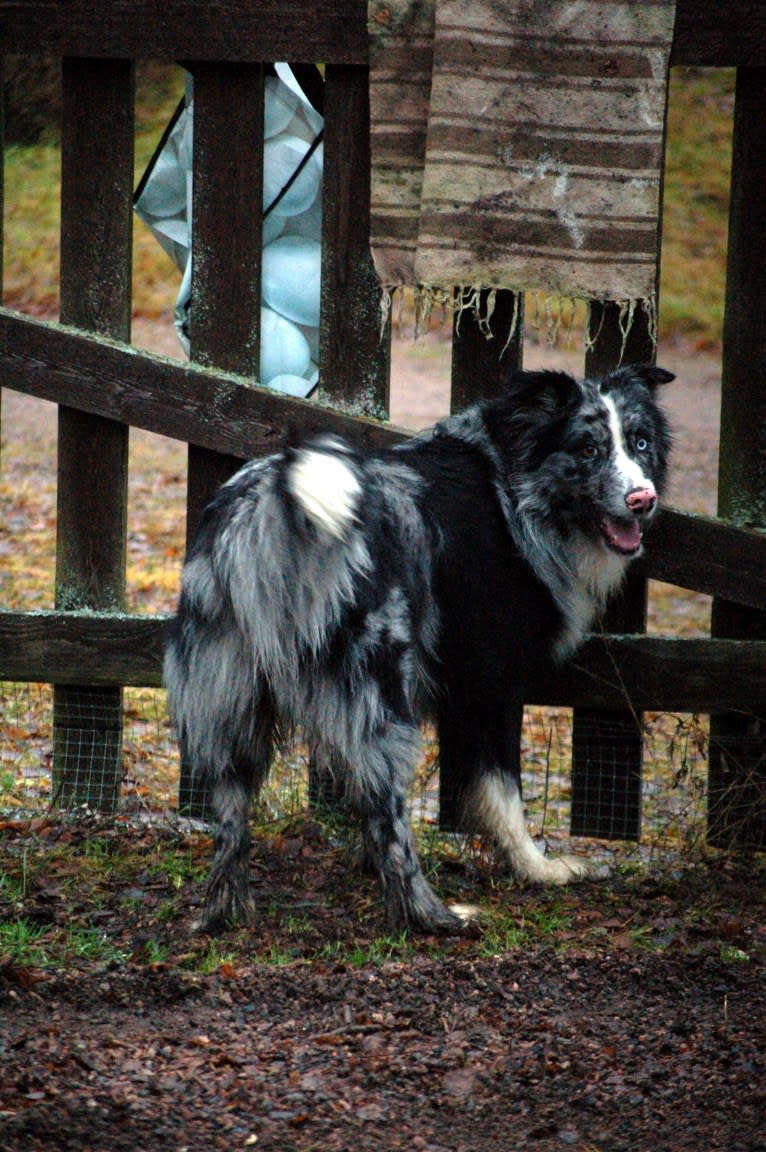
(641, 500)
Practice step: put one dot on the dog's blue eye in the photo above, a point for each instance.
(642, 444)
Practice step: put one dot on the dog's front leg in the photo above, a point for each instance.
(495, 805)
(480, 747)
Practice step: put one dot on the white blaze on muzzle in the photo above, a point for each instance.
(623, 531)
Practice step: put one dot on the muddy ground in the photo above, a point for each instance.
(627, 1013)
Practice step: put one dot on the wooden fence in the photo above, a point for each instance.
(103, 386)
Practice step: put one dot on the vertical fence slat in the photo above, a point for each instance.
(354, 355)
(737, 784)
(479, 368)
(226, 239)
(607, 748)
(226, 269)
(96, 231)
(2, 202)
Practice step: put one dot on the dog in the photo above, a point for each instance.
(351, 595)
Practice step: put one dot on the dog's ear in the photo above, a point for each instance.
(649, 374)
(549, 391)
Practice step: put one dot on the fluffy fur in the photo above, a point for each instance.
(351, 595)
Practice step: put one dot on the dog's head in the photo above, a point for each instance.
(589, 456)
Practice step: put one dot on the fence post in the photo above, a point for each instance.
(226, 270)
(2, 209)
(480, 367)
(607, 747)
(96, 231)
(354, 356)
(737, 765)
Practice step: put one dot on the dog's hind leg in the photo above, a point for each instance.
(227, 899)
(410, 902)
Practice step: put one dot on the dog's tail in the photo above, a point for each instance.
(322, 480)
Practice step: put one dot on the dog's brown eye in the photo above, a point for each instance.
(589, 451)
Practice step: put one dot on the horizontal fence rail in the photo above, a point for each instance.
(228, 413)
(330, 30)
(643, 673)
(217, 410)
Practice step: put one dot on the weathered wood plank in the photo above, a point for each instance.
(480, 366)
(737, 781)
(217, 410)
(329, 30)
(229, 413)
(707, 33)
(607, 749)
(709, 556)
(310, 30)
(646, 673)
(92, 494)
(354, 353)
(226, 256)
(99, 648)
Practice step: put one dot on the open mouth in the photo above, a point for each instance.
(623, 536)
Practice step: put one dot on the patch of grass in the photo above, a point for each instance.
(26, 944)
(214, 956)
(156, 953)
(506, 928)
(21, 943)
(361, 953)
(178, 864)
(84, 942)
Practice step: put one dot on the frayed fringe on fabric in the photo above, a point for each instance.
(551, 318)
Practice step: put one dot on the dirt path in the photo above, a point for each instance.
(623, 1015)
(532, 1051)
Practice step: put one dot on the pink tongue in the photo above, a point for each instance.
(624, 535)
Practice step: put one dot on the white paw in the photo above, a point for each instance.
(468, 913)
(563, 870)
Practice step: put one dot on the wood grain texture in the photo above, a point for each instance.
(310, 30)
(737, 781)
(354, 354)
(217, 410)
(642, 672)
(329, 30)
(91, 522)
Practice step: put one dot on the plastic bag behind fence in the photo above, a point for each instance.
(292, 227)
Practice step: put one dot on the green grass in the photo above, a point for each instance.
(39, 946)
(698, 161)
(21, 943)
(506, 928)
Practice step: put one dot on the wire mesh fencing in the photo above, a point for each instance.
(673, 794)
